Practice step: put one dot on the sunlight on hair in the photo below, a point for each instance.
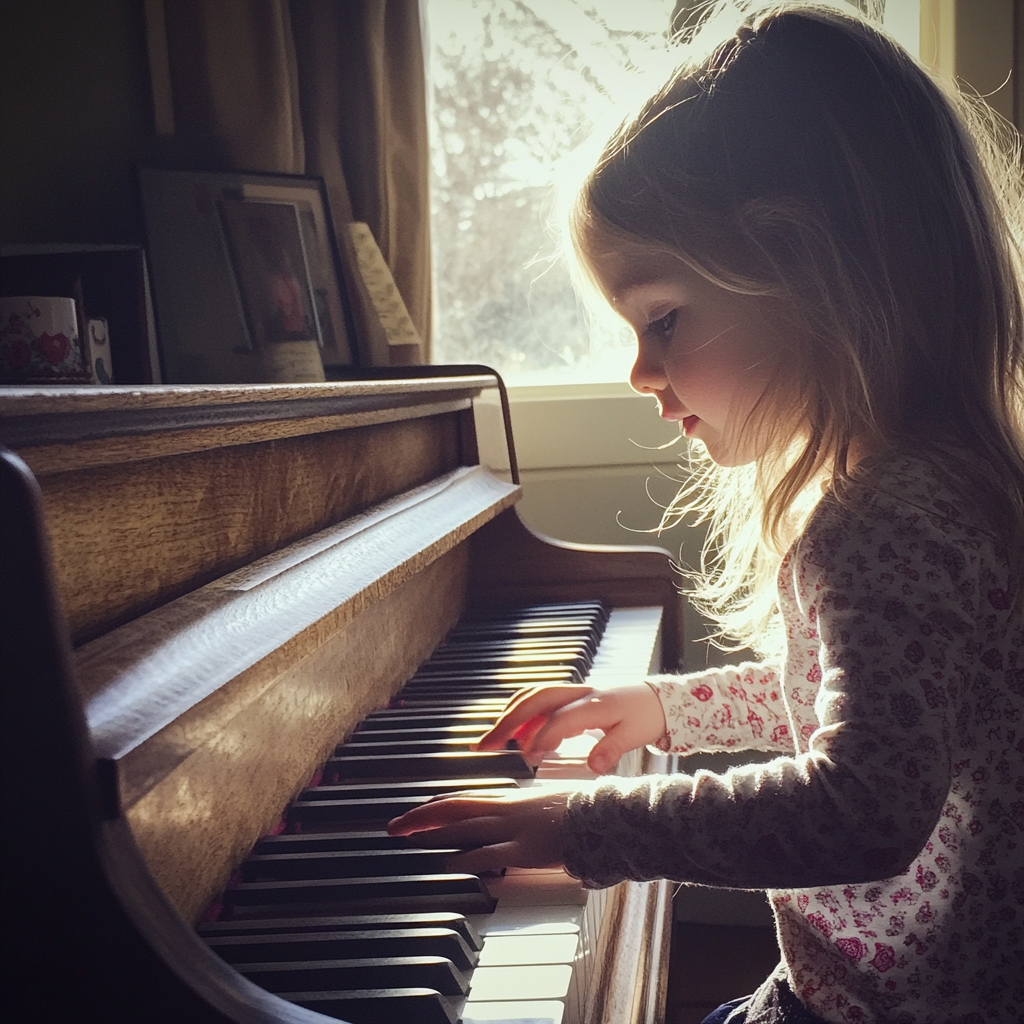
(882, 352)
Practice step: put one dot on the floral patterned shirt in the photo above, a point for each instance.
(889, 828)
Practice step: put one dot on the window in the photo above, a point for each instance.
(517, 86)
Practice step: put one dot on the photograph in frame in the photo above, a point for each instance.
(269, 264)
(246, 278)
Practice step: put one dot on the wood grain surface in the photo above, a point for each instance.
(150, 674)
(129, 537)
(202, 819)
(35, 400)
(45, 459)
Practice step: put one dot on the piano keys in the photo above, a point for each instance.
(327, 836)
(232, 579)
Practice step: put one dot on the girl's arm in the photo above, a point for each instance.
(736, 708)
(892, 597)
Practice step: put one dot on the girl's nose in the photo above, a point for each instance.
(648, 373)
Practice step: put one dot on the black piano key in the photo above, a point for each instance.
(272, 867)
(349, 922)
(344, 945)
(412, 891)
(384, 790)
(474, 674)
(503, 692)
(444, 662)
(371, 839)
(403, 703)
(511, 654)
(508, 664)
(561, 609)
(468, 903)
(468, 733)
(380, 1006)
(372, 747)
(432, 972)
(393, 718)
(305, 814)
(471, 763)
(526, 646)
(542, 628)
(528, 637)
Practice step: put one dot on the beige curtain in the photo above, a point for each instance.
(319, 87)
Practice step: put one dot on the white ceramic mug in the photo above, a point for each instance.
(39, 340)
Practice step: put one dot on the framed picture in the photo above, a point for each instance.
(245, 276)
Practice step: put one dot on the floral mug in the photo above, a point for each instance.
(39, 340)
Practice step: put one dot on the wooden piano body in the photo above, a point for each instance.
(204, 590)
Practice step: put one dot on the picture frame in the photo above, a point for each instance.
(246, 277)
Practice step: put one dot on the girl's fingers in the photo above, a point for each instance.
(574, 720)
(607, 753)
(465, 835)
(435, 814)
(525, 733)
(522, 830)
(629, 717)
(538, 702)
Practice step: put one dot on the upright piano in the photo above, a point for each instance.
(212, 593)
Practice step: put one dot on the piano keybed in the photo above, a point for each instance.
(337, 916)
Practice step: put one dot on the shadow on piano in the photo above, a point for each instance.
(205, 590)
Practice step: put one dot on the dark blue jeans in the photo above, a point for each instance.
(734, 1012)
(773, 1001)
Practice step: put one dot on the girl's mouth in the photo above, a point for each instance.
(690, 424)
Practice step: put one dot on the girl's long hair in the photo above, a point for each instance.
(809, 160)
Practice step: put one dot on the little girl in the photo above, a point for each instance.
(824, 275)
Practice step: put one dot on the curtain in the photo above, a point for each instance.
(323, 88)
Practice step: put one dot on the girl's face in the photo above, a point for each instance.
(704, 352)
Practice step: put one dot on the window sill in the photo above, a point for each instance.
(580, 425)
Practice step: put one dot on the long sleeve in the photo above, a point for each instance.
(736, 708)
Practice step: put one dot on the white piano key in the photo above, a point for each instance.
(526, 1011)
(521, 950)
(508, 920)
(536, 887)
(542, 981)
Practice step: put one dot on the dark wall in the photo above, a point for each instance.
(75, 118)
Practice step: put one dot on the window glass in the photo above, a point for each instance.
(518, 85)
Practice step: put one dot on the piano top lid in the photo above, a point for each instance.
(56, 428)
(31, 416)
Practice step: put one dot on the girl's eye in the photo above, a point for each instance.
(663, 327)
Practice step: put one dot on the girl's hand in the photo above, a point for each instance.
(522, 829)
(540, 718)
